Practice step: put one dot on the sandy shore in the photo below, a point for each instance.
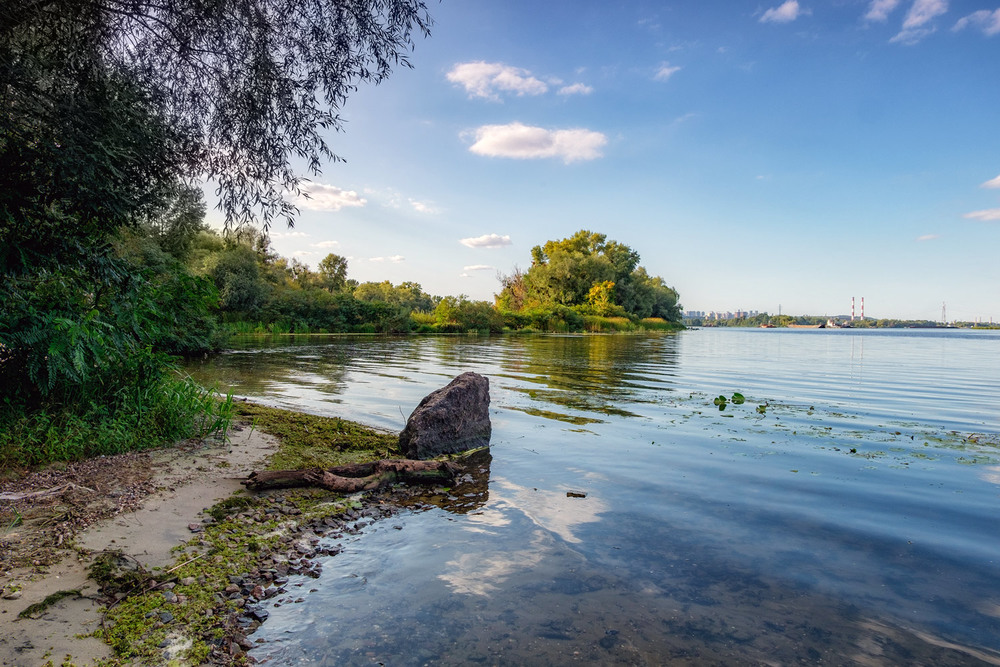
(186, 480)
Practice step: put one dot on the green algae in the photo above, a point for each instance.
(557, 416)
(311, 441)
(37, 609)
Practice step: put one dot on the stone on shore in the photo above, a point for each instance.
(455, 418)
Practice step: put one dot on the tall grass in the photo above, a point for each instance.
(598, 324)
(174, 409)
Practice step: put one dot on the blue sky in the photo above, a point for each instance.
(792, 153)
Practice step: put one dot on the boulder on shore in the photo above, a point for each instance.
(455, 418)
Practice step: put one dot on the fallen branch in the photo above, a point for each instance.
(356, 476)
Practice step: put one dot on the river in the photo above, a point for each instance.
(846, 513)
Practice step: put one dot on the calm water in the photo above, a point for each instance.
(854, 522)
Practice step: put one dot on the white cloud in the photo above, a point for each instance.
(423, 206)
(287, 235)
(486, 241)
(519, 141)
(666, 71)
(576, 89)
(879, 10)
(992, 183)
(787, 12)
(928, 237)
(923, 11)
(911, 37)
(482, 79)
(321, 197)
(988, 215)
(985, 20)
(479, 267)
(303, 253)
(395, 259)
(915, 26)
(326, 244)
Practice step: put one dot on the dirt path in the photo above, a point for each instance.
(141, 504)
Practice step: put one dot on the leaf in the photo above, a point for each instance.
(738, 399)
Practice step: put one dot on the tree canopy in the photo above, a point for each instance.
(591, 274)
(232, 90)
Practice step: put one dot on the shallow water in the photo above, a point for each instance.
(854, 521)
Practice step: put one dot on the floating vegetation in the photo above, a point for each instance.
(574, 401)
(557, 416)
(812, 422)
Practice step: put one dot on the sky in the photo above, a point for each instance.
(760, 156)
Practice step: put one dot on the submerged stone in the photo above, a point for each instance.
(455, 418)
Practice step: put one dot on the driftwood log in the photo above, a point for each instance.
(356, 476)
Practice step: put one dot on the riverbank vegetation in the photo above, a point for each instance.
(112, 115)
(112, 118)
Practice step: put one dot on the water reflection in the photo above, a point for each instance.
(573, 379)
(815, 532)
(470, 492)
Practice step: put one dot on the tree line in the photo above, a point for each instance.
(111, 115)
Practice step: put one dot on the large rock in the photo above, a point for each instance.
(452, 419)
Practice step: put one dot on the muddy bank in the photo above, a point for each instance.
(139, 503)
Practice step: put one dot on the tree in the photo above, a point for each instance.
(333, 272)
(237, 277)
(591, 274)
(600, 298)
(176, 226)
(242, 87)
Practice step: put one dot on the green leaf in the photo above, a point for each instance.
(738, 399)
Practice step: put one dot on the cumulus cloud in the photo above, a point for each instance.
(992, 183)
(287, 235)
(423, 206)
(576, 89)
(395, 259)
(486, 241)
(666, 71)
(920, 14)
(487, 80)
(987, 215)
(326, 244)
(321, 197)
(479, 267)
(928, 237)
(879, 10)
(302, 253)
(524, 142)
(985, 20)
(787, 12)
